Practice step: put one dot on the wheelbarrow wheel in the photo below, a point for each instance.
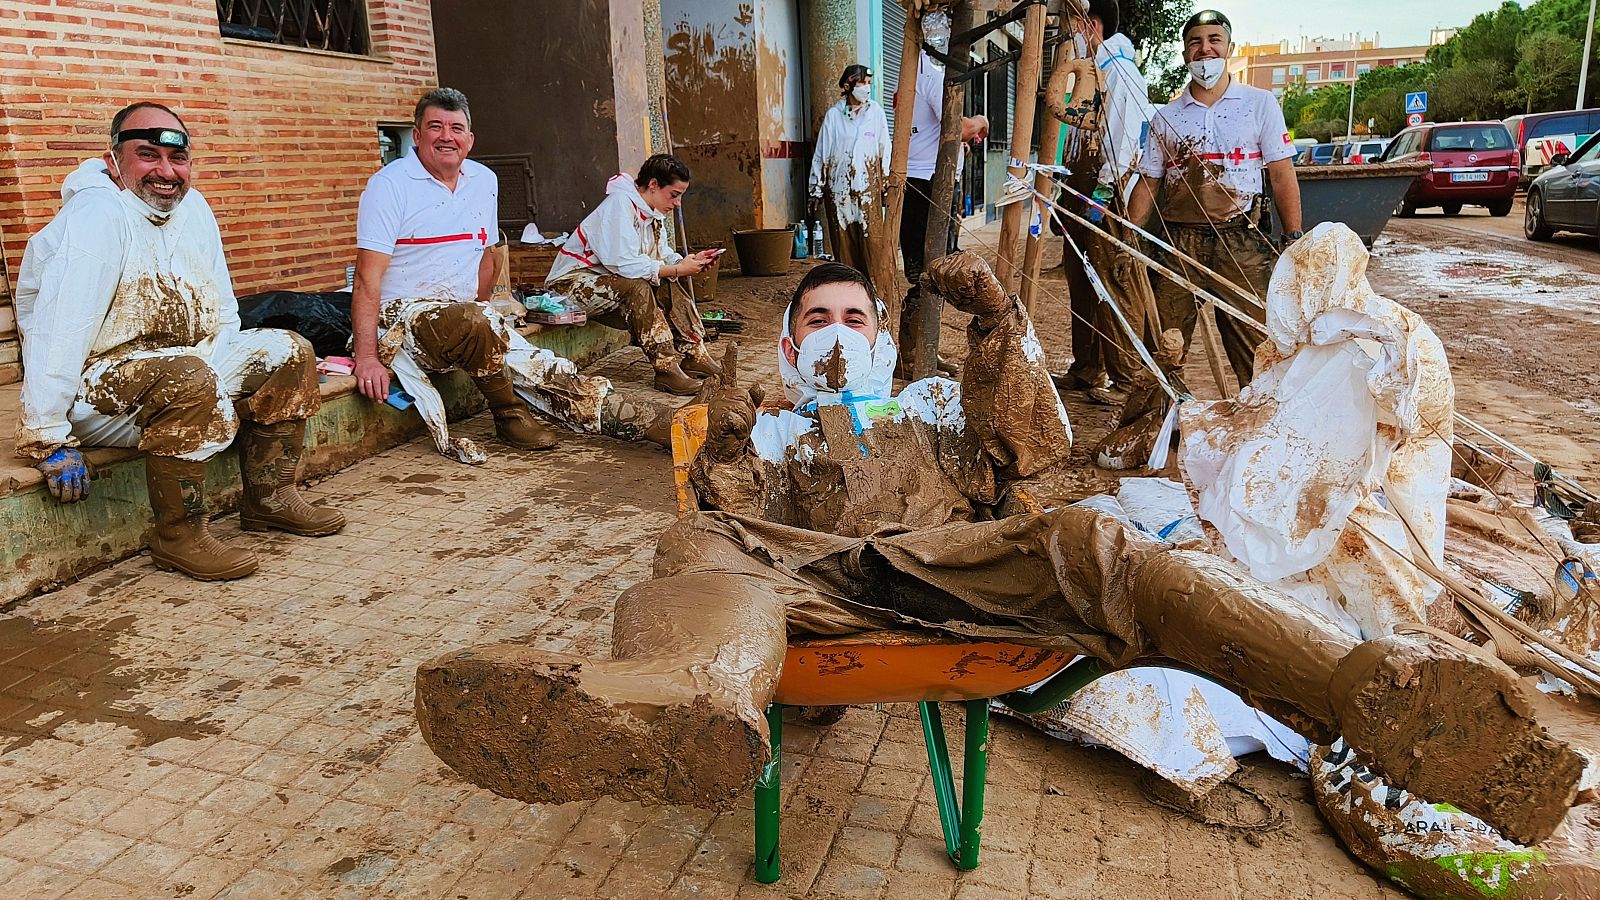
(1500, 208)
(1452, 209)
(1404, 210)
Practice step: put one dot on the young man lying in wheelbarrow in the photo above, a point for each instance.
(936, 509)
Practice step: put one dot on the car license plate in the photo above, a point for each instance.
(1469, 176)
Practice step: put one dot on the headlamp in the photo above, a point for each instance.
(161, 137)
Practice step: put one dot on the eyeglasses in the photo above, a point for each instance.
(161, 137)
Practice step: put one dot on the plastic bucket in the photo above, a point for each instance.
(705, 284)
(764, 251)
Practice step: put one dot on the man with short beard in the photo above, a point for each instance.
(423, 274)
(130, 337)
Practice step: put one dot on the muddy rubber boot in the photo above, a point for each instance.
(702, 365)
(1442, 719)
(269, 462)
(514, 423)
(627, 420)
(671, 379)
(1461, 727)
(676, 716)
(181, 541)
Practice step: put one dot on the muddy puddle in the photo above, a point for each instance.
(1503, 274)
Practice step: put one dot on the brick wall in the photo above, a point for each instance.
(284, 139)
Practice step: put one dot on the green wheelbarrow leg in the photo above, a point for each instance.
(944, 791)
(767, 802)
(975, 772)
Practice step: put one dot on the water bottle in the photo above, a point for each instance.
(800, 240)
(816, 238)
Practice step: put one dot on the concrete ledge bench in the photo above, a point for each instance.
(48, 544)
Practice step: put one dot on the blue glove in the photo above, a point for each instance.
(66, 473)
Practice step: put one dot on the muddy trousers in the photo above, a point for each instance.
(1238, 253)
(1100, 343)
(676, 714)
(185, 402)
(427, 336)
(662, 320)
(849, 242)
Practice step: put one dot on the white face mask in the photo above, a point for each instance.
(1207, 72)
(834, 360)
(861, 92)
(137, 204)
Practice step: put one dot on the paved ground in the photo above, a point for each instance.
(160, 738)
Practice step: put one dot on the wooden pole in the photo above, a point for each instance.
(885, 246)
(1029, 68)
(1048, 137)
(921, 346)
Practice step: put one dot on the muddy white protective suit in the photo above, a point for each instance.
(111, 282)
(847, 169)
(917, 501)
(130, 337)
(611, 266)
(852, 148)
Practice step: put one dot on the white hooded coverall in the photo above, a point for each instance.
(130, 331)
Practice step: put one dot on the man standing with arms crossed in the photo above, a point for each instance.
(1208, 150)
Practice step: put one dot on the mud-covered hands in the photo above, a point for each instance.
(731, 411)
(967, 282)
(66, 475)
(372, 378)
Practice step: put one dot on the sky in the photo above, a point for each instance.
(1399, 23)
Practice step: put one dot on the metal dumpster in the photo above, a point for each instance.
(1361, 196)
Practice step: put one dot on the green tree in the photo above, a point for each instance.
(1547, 70)
(1489, 37)
(1152, 25)
(1474, 89)
(1169, 82)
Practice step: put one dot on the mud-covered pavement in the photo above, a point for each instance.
(160, 738)
(1516, 317)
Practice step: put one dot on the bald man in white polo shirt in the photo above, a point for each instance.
(1209, 150)
(425, 225)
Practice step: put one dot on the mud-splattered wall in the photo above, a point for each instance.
(563, 80)
(735, 106)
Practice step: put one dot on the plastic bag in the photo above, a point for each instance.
(322, 319)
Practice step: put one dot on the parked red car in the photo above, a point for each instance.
(1473, 162)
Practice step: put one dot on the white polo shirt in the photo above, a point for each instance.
(926, 127)
(1241, 133)
(435, 237)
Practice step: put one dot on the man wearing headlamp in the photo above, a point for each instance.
(131, 338)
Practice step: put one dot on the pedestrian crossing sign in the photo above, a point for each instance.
(1417, 102)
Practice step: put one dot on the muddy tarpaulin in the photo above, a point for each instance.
(1072, 579)
(322, 319)
(1353, 394)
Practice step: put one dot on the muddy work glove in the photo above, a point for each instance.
(964, 279)
(66, 474)
(730, 411)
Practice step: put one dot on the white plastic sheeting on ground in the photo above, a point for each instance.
(1334, 462)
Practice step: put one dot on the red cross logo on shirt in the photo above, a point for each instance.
(483, 237)
(1237, 156)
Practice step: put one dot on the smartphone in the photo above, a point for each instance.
(718, 251)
